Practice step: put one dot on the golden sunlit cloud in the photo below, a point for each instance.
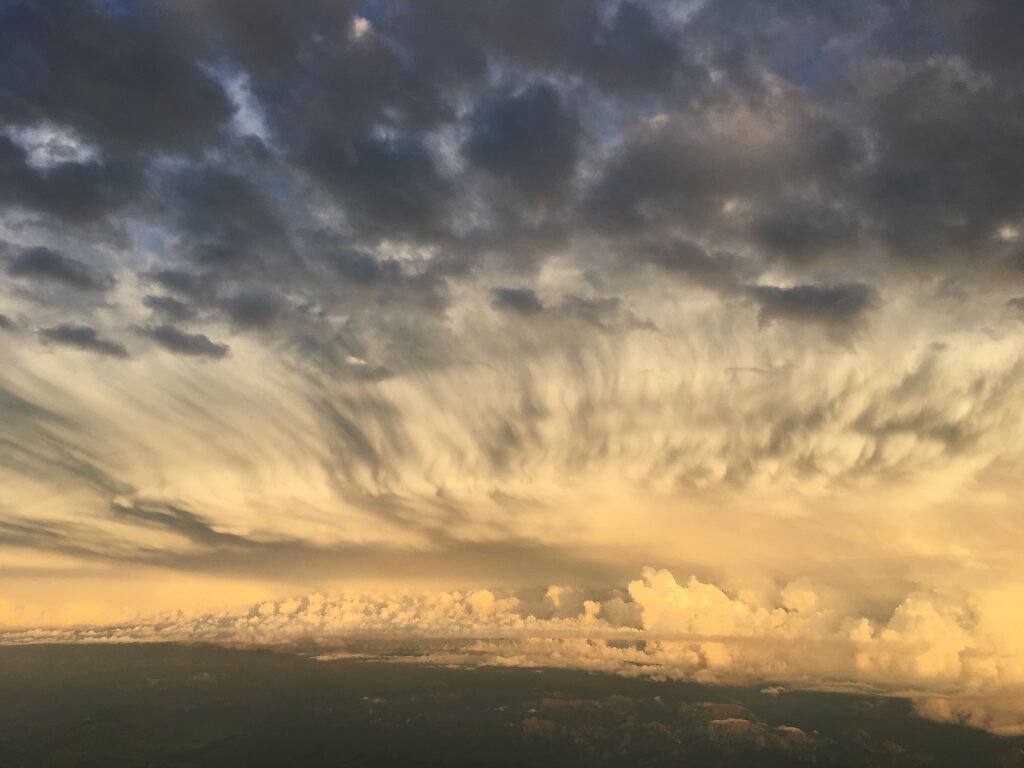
(388, 327)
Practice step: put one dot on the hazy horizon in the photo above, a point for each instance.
(680, 340)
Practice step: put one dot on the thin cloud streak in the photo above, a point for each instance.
(517, 294)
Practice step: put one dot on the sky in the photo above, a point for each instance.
(677, 336)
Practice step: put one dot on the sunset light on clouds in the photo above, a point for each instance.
(670, 339)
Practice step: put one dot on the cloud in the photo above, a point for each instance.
(48, 145)
(840, 307)
(75, 192)
(224, 219)
(59, 457)
(170, 307)
(718, 271)
(389, 185)
(113, 103)
(804, 232)
(46, 264)
(1003, 715)
(521, 301)
(953, 657)
(178, 281)
(935, 115)
(359, 28)
(180, 343)
(529, 138)
(83, 337)
(256, 308)
(520, 293)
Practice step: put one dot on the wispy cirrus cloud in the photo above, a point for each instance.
(518, 294)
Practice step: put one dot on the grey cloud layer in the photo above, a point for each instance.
(43, 263)
(83, 337)
(440, 256)
(520, 292)
(191, 344)
(487, 136)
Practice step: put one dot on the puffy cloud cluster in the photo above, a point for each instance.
(1000, 714)
(521, 292)
(962, 661)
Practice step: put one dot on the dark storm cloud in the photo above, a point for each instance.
(170, 307)
(254, 308)
(77, 192)
(626, 52)
(7, 324)
(529, 138)
(268, 34)
(747, 147)
(606, 313)
(595, 310)
(578, 316)
(388, 185)
(831, 129)
(181, 343)
(46, 264)
(841, 307)
(949, 158)
(989, 35)
(718, 270)
(408, 163)
(656, 173)
(358, 277)
(803, 232)
(752, 136)
(634, 52)
(363, 268)
(521, 301)
(353, 112)
(930, 90)
(338, 84)
(226, 221)
(805, 43)
(82, 337)
(143, 87)
(186, 284)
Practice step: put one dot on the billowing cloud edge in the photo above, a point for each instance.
(959, 661)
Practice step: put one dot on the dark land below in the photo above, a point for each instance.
(177, 706)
